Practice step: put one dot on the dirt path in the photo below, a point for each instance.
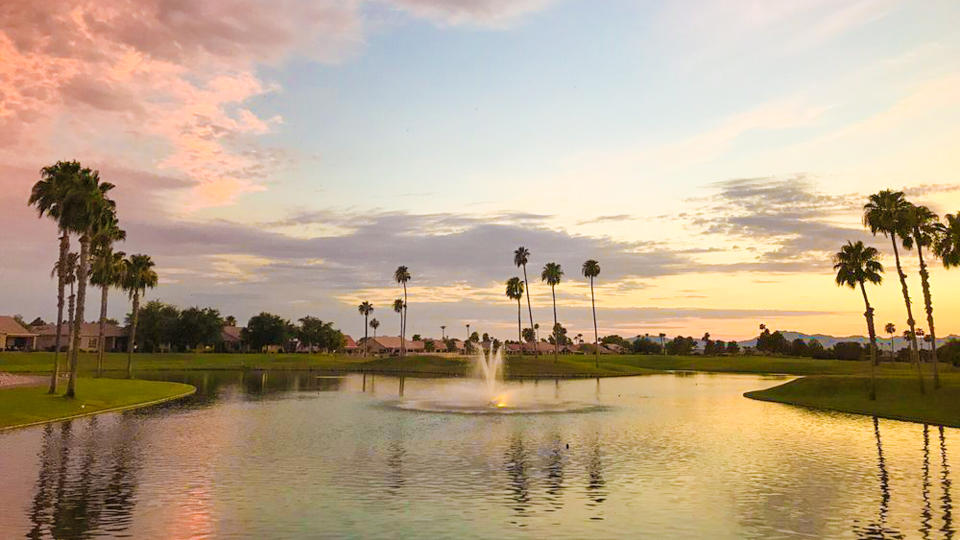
(9, 381)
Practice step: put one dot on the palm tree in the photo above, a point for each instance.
(552, 274)
(443, 331)
(521, 256)
(663, 346)
(105, 272)
(138, 275)
(374, 323)
(891, 329)
(887, 213)
(90, 212)
(365, 308)
(402, 276)
(515, 292)
(48, 196)
(856, 265)
(947, 246)
(925, 229)
(591, 269)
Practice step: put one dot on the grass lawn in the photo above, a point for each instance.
(20, 406)
(897, 397)
(527, 366)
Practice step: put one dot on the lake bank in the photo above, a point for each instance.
(22, 406)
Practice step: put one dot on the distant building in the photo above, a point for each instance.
(16, 337)
(232, 339)
(115, 337)
(390, 346)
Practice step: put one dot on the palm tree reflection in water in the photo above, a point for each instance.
(90, 496)
(517, 465)
(947, 504)
(879, 529)
(926, 515)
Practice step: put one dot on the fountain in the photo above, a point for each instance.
(486, 392)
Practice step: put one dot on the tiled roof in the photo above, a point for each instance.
(10, 327)
(87, 329)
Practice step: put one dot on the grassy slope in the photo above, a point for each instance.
(27, 405)
(897, 397)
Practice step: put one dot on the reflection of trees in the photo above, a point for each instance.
(395, 455)
(946, 503)
(879, 528)
(926, 515)
(554, 472)
(596, 484)
(79, 491)
(517, 465)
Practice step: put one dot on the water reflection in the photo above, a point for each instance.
(926, 515)
(517, 466)
(596, 484)
(554, 471)
(80, 491)
(947, 505)
(879, 529)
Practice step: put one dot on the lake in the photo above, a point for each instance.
(288, 455)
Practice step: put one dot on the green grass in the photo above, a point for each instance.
(21, 406)
(528, 366)
(897, 397)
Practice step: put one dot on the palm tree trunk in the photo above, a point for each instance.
(104, 291)
(928, 304)
(596, 335)
(71, 303)
(403, 329)
(61, 285)
(873, 343)
(914, 352)
(530, 312)
(133, 333)
(556, 335)
(519, 327)
(82, 265)
(366, 342)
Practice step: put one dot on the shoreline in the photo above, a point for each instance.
(56, 408)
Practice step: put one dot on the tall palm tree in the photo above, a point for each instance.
(374, 323)
(891, 329)
(552, 274)
(105, 268)
(105, 272)
(521, 256)
(663, 346)
(947, 246)
(887, 213)
(365, 308)
(856, 265)
(402, 276)
(515, 292)
(591, 269)
(48, 196)
(138, 275)
(925, 229)
(443, 331)
(90, 211)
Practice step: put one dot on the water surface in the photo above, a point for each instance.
(287, 455)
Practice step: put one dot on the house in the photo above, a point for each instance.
(114, 337)
(16, 337)
(232, 339)
(349, 345)
(389, 345)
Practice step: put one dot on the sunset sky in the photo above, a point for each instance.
(286, 156)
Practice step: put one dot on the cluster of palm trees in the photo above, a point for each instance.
(78, 201)
(401, 275)
(913, 227)
(552, 275)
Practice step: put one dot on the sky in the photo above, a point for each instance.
(287, 156)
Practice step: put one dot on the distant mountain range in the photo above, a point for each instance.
(829, 341)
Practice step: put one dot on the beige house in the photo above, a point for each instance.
(16, 337)
(115, 337)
